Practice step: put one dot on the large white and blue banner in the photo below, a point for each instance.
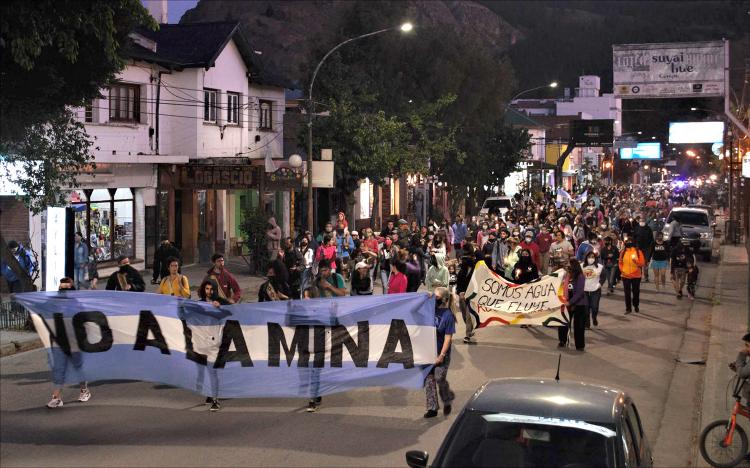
(270, 349)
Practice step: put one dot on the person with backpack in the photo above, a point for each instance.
(228, 288)
(25, 261)
(175, 284)
(631, 265)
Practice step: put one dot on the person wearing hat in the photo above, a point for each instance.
(403, 234)
(361, 280)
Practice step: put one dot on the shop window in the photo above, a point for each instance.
(106, 218)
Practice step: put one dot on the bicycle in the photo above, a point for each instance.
(719, 444)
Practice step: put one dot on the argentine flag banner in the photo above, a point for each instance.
(270, 349)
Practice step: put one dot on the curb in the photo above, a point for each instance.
(15, 347)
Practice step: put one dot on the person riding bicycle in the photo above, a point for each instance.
(741, 366)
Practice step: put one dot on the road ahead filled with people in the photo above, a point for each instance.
(630, 279)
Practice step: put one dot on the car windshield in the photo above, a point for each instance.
(483, 439)
(693, 218)
(494, 204)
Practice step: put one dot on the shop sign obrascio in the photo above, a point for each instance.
(207, 177)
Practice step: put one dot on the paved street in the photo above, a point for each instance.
(140, 424)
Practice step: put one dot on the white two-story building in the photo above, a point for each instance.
(180, 143)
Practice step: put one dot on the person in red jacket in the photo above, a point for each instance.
(397, 281)
(543, 242)
(229, 289)
(529, 243)
(631, 262)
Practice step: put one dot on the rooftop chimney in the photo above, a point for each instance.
(158, 9)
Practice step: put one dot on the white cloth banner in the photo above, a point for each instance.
(497, 301)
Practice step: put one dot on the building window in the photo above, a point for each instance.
(124, 103)
(88, 111)
(106, 218)
(233, 108)
(265, 109)
(209, 105)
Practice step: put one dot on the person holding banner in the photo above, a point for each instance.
(58, 363)
(208, 292)
(525, 271)
(437, 380)
(462, 283)
(327, 284)
(574, 285)
(174, 284)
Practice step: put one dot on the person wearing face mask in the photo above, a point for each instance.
(529, 244)
(644, 240)
(660, 260)
(592, 271)
(274, 289)
(462, 284)
(437, 380)
(483, 233)
(437, 275)
(609, 256)
(514, 255)
(544, 241)
(575, 303)
(126, 278)
(525, 271)
(631, 264)
(308, 256)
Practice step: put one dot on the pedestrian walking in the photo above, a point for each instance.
(678, 265)
(460, 232)
(126, 278)
(574, 284)
(437, 275)
(273, 238)
(437, 380)
(160, 266)
(209, 292)
(307, 254)
(80, 260)
(384, 259)
(60, 362)
(592, 271)
(397, 281)
(691, 277)
(544, 241)
(644, 240)
(660, 261)
(463, 278)
(175, 284)
(609, 257)
(631, 264)
(228, 288)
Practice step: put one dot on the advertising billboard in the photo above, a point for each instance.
(683, 69)
(598, 132)
(649, 150)
(696, 132)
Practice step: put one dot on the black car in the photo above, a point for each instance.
(543, 423)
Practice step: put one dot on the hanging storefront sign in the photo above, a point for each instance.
(683, 69)
(217, 177)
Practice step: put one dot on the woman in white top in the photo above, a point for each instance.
(308, 256)
(592, 270)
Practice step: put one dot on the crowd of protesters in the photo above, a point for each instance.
(595, 240)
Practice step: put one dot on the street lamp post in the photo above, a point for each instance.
(406, 27)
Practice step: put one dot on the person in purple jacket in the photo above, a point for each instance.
(575, 303)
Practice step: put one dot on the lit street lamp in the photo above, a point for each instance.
(550, 85)
(405, 27)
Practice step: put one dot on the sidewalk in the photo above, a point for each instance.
(12, 342)
(729, 322)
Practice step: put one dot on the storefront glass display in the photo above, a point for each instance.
(106, 222)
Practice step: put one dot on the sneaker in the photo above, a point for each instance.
(447, 410)
(467, 339)
(627, 311)
(215, 406)
(430, 414)
(596, 323)
(55, 403)
(637, 310)
(312, 407)
(560, 345)
(85, 395)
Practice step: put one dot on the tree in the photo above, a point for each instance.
(55, 54)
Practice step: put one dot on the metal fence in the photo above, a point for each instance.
(13, 316)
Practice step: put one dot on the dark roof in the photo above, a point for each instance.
(548, 398)
(192, 45)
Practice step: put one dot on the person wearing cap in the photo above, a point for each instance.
(403, 234)
(361, 280)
